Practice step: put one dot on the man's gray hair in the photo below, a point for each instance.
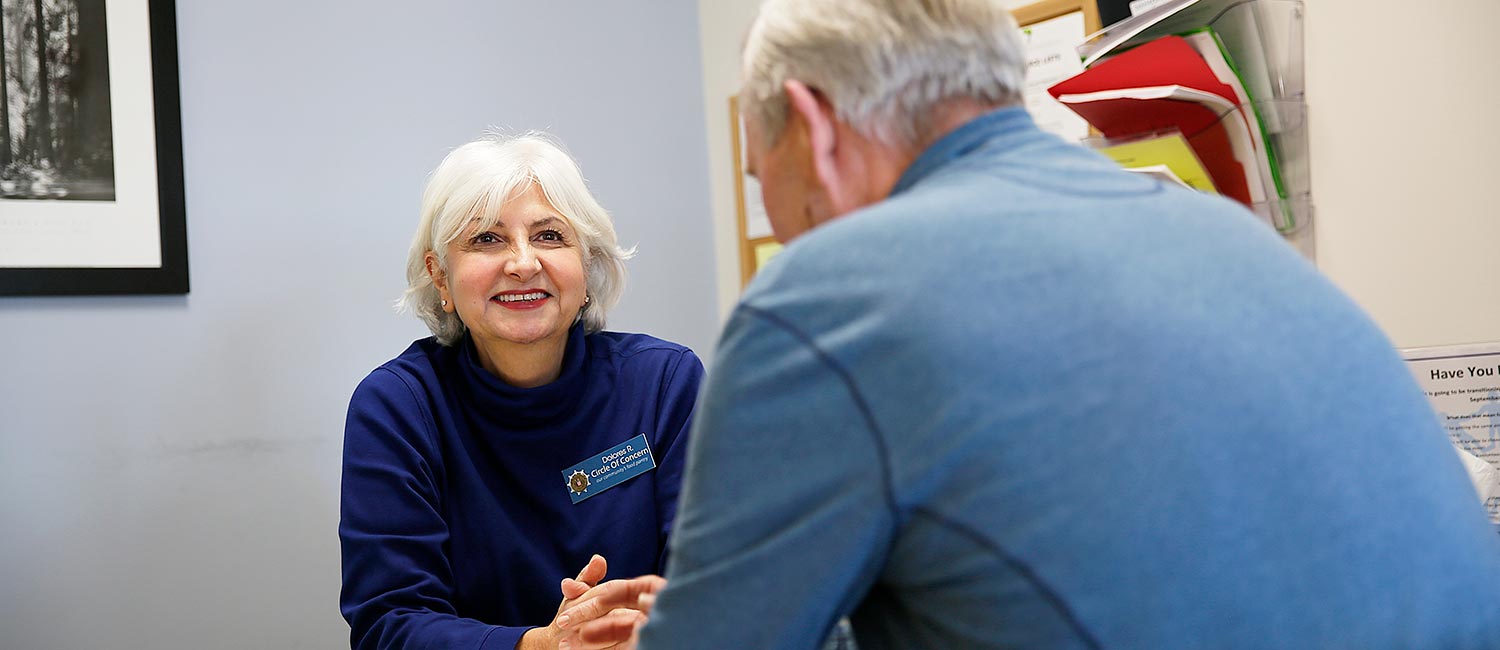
(468, 190)
(884, 65)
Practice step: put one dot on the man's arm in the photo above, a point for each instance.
(678, 397)
(787, 510)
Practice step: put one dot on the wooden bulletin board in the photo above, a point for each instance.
(756, 244)
(1048, 9)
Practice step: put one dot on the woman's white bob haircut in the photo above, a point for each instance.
(468, 190)
(884, 65)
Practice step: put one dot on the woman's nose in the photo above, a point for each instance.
(523, 262)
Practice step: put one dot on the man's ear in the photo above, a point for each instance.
(439, 280)
(822, 132)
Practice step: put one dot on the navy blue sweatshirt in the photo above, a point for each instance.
(456, 521)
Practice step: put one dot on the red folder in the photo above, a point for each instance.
(1160, 65)
(1166, 61)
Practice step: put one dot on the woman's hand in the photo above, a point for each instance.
(546, 638)
(609, 615)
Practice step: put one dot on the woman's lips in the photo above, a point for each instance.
(521, 300)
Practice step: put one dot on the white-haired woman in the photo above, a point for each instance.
(487, 464)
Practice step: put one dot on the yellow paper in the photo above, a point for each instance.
(765, 251)
(1170, 150)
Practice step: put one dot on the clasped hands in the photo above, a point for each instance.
(597, 615)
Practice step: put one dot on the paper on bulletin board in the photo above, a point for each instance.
(1051, 57)
(757, 223)
(764, 251)
(1463, 384)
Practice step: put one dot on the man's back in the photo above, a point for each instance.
(1032, 401)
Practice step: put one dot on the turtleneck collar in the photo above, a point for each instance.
(1003, 127)
(530, 407)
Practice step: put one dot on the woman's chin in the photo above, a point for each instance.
(523, 336)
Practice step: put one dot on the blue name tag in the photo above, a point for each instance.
(616, 465)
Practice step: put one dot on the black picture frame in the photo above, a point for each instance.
(171, 277)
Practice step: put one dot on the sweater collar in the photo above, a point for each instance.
(530, 407)
(1002, 127)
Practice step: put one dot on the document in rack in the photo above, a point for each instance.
(1166, 84)
(1241, 26)
(1223, 145)
(1208, 45)
(1169, 150)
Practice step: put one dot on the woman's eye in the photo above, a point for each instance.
(550, 236)
(486, 238)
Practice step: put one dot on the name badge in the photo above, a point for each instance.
(614, 466)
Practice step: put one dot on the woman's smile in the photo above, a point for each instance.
(521, 300)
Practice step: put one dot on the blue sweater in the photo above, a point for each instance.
(457, 524)
(1033, 401)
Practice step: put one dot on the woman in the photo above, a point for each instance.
(521, 441)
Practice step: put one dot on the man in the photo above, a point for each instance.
(997, 393)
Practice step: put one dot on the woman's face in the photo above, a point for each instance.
(521, 282)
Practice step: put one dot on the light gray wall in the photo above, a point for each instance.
(169, 466)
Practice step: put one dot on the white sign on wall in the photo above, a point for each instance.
(1463, 383)
(1050, 58)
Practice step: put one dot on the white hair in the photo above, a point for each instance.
(472, 185)
(884, 65)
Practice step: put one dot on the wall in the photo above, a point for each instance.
(1400, 102)
(169, 466)
(723, 24)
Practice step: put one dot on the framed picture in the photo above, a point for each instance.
(91, 186)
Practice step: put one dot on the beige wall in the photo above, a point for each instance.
(1401, 104)
(722, 26)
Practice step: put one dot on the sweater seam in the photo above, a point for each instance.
(887, 481)
(428, 426)
(486, 638)
(1023, 569)
(661, 399)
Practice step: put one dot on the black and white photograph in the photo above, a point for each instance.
(55, 128)
(91, 186)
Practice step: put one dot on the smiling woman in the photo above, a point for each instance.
(517, 284)
(464, 197)
(459, 519)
